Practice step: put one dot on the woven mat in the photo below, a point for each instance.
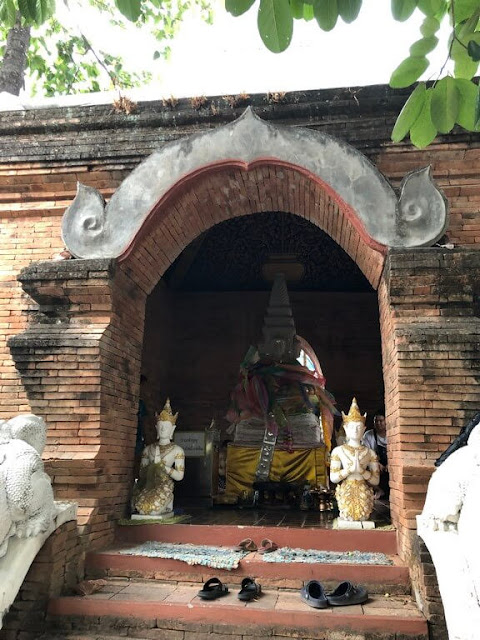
(208, 556)
(311, 556)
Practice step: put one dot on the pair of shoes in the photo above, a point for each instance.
(246, 545)
(346, 593)
(250, 590)
(214, 588)
(266, 546)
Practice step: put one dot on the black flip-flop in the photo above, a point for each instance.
(213, 589)
(346, 593)
(249, 590)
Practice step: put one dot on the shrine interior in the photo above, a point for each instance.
(209, 308)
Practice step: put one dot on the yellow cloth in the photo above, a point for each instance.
(298, 467)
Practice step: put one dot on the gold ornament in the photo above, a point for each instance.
(166, 413)
(355, 500)
(354, 414)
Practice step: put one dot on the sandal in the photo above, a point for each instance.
(346, 593)
(246, 545)
(267, 546)
(213, 589)
(250, 590)
(313, 594)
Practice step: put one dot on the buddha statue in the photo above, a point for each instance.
(162, 462)
(354, 467)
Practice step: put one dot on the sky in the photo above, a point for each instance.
(229, 57)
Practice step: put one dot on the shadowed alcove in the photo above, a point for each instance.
(209, 307)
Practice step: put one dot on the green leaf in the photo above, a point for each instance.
(445, 104)
(423, 46)
(8, 12)
(296, 7)
(473, 49)
(409, 113)
(408, 72)
(237, 7)
(431, 7)
(349, 9)
(468, 95)
(326, 13)
(275, 24)
(156, 55)
(308, 12)
(45, 10)
(403, 9)
(429, 27)
(423, 131)
(464, 9)
(28, 9)
(465, 67)
(129, 8)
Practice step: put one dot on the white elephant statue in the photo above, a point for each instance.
(27, 506)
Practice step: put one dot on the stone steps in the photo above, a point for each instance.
(379, 579)
(383, 541)
(149, 609)
(152, 598)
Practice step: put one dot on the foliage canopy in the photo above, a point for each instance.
(432, 108)
(61, 60)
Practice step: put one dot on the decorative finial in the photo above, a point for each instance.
(354, 414)
(279, 335)
(166, 413)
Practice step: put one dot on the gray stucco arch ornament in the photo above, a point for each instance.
(418, 217)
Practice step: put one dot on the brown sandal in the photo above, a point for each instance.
(267, 546)
(246, 545)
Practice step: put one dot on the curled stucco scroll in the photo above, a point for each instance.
(417, 218)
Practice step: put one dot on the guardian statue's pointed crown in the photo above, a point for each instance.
(354, 414)
(166, 413)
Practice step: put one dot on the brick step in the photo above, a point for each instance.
(149, 610)
(383, 541)
(392, 579)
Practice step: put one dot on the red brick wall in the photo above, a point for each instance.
(429, 313)
(32, 199)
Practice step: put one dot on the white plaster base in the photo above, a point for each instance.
(21, 553)
(161, 516)
(339, 523)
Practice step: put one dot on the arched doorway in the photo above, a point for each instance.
(208, 308)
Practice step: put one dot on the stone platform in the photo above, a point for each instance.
(155, 598)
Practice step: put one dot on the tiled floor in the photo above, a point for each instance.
(122, 589)
(206, 515)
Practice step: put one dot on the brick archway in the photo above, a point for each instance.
(99, 310)
(229, 189)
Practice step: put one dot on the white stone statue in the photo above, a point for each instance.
(161, 464)
(450, 526)
(27, 507)
(355, 468)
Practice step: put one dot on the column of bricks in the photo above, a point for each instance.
(82, 378)
(429, 312)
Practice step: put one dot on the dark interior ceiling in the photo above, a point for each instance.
(231, 257)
